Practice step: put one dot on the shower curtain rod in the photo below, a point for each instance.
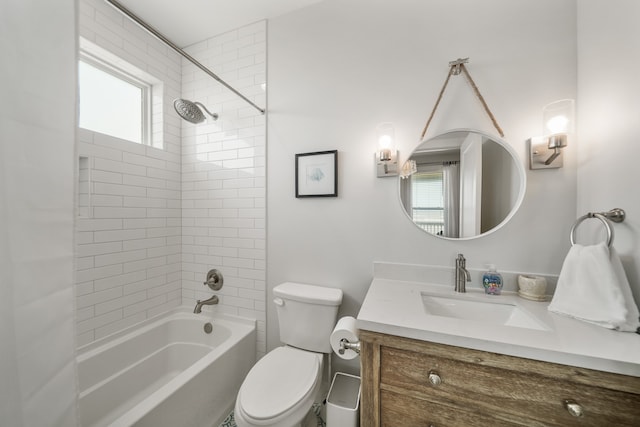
(169, 43)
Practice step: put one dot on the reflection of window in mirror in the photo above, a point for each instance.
(435, 198)
(433, 192)
(427, 209)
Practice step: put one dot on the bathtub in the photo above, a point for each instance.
(166, 371)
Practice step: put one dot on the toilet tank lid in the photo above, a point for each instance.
(308, 293)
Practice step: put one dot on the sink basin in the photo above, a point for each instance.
(490, 312)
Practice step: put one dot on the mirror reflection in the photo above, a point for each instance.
(461, 184)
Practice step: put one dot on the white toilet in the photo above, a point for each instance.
(281, 387)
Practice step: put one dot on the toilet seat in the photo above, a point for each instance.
(278, 382)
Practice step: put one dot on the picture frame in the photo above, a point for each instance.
(317, 174)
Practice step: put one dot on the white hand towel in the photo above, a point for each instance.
(593, 287)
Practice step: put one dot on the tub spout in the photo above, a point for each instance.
(211, 301)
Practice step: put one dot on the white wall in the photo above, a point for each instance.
(223, 176)
(128, 249)
(37, 156)
(609, 108)
(339, 68)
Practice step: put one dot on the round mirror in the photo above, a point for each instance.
(461, 184)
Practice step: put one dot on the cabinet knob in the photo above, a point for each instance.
(573, 408)
(434, 378)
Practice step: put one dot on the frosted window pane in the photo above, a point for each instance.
(110, 105)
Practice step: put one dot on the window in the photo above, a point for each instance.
(113, 102)
(428, 201)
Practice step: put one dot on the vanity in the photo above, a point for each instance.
(433, 357)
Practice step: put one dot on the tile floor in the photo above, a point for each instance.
(229, 421)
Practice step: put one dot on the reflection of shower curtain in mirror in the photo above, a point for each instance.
(451, 194)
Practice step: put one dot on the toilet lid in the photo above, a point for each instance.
(278, 382)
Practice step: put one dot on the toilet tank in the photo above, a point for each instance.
(307, 315)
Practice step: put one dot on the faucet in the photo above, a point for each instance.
(211, 301)
(462, 275)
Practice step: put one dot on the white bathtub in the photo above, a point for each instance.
(166, 371)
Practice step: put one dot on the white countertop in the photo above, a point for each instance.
(395, 307)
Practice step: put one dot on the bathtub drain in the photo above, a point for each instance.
(208, 327)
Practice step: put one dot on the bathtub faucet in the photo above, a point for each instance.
(211, 301)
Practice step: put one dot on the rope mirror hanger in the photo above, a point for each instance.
(455, 68)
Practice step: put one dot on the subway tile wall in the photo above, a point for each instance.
(159, 218)
(128, 256)
(223, 176)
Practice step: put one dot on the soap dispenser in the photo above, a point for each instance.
(492, 281)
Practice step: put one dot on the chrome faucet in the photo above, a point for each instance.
(462, 275)
(211, 301)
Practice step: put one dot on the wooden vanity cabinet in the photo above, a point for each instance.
(409, 383)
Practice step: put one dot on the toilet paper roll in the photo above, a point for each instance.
(345, 329)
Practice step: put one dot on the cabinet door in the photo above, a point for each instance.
(477, 388)
(516, 395)
(406, 411)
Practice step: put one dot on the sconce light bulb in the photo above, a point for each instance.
(558, 124)
(385, 141)
(558, 117)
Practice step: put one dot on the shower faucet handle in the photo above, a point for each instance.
(214, 279)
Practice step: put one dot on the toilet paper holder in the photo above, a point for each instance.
(346, 345)
(344, 338)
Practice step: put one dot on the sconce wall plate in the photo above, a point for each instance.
(539, 152)
(387, 167)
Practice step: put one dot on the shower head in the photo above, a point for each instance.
(191, 112)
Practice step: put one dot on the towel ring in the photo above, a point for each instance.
(615, 215)
(593, 215)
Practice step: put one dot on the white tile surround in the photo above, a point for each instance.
(223, 176)
(161, 218)
(128, 250)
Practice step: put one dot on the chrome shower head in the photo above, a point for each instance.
(189, 111)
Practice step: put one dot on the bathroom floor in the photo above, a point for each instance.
(229, 421)
(313, 419)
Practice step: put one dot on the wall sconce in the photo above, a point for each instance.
(545, 152)
(386, 155)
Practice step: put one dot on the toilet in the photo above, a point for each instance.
(281, 387)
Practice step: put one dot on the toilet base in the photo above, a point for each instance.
(310, 420)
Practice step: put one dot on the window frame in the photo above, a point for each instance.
(145, 87)
(415, 178)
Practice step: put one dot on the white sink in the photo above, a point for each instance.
(465, 307)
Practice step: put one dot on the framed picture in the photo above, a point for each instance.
(317, 174)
